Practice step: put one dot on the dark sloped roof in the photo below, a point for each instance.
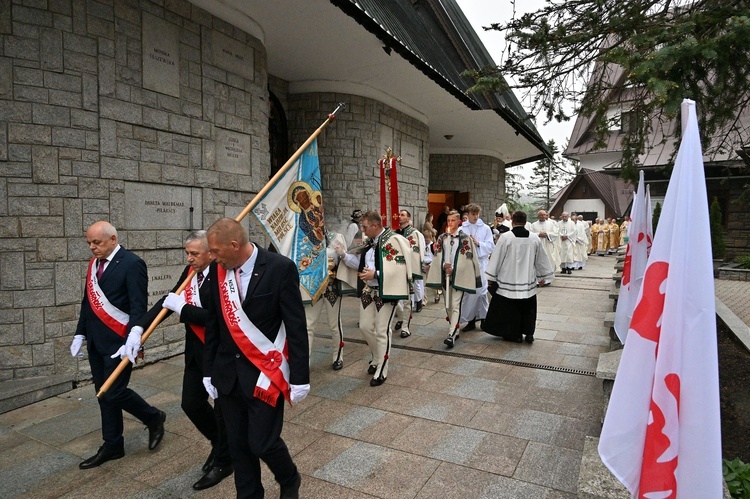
(614, 192)
(436, 37)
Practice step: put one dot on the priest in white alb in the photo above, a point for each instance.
(547, 232)
(474, 306)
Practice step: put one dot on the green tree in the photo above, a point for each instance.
(718, 247)
(652, 53)
(513, 186)
(655, 217)
(549, 176)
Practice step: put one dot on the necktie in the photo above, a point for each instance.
(238, 276)
(100, 268)
(200, 278)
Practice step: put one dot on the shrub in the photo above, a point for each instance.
(744, 261)
(655, 217)
(718, 248)
(737, 476)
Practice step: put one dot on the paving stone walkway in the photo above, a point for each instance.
(487, 419)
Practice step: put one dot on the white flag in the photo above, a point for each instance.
(662, 436)
(636, 257)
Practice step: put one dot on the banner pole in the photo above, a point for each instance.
(163, 313)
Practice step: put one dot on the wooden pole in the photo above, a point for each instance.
(163, 313)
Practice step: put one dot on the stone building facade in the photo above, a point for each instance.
(130, 111)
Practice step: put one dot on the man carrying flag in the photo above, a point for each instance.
(662, 435)
(636, 255)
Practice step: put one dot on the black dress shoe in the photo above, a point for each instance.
(102, 456)
(405, 334)
(450, 340)
(209, 462)
(470, 326)
(419, 307)
(398, 325)
(213, 477)
(529, 338)
(337, 365)
(156, 431)
(377, 381)
(371, 369)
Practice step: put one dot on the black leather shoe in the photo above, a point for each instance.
(470, 326)
(214, 476)
(529, 338)
(398, 325)
(291, 491)
(371, 369)
(102, 456)
(337, 365)
(156, 431)
(450, 340)
(419, 307)
(209, 462)
(377, 381)
(405, 334)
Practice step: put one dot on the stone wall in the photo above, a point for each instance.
(84, 136)
(482, 176)
(737, 235)
(349, 149)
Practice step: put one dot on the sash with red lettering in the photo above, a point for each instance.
(111, 316)
(192, 297)
(270, 357)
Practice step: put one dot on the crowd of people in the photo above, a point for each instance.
(249, 325)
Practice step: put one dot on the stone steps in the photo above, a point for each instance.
(20, 392)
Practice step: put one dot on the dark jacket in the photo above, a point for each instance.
(272, 296)
(125, 284)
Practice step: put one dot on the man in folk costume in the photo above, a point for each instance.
(568, 235)
(188, 305)
(582, 243)
(614, 236)
(114, 300)
(456, 270)
(547, 232)
(256, 354)
(385, 269)
(339, 281)
(416, 243)
(602, 237)
(474, 306)
(518, 265)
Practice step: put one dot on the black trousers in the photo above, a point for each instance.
(254, 432)
(208, 420)
(117, 399)
(510, 319)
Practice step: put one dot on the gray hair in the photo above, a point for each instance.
(197, 235)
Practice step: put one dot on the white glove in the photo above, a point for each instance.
(299, 392)
(210, 389)
(131, 346)
(174, 303)
(75, 347)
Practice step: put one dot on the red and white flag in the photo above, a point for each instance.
(662, 436)
(636, 257)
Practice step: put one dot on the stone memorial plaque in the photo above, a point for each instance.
(161, 280)
(409, 155)
(233, 152)
(386, 139)
(233, 55)
(161, 55)
(155, 206)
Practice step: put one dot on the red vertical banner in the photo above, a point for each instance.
(383, 200)
(394, 194)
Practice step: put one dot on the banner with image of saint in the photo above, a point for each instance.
(291, 214)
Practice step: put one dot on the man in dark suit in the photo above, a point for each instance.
(115, 298)
(256, 354)
(189, 306)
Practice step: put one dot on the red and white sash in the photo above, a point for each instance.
(270, 357)
(192, 297)
(111, 316)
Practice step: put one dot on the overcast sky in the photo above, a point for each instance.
(485, 12)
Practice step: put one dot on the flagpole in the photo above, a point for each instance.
(163, 313)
